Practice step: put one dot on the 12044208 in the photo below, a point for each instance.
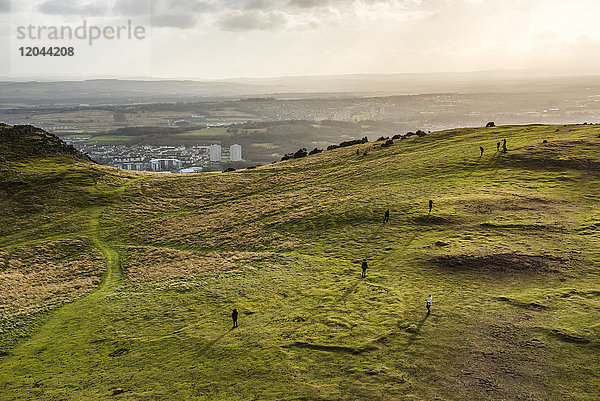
(51, 51)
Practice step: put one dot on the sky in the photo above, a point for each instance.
(210, 39)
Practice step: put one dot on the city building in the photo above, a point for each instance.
(235, 153)
(165, 164)
(130, 166)
(191, 170)
(215, 153)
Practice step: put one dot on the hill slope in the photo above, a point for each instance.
(509, 253)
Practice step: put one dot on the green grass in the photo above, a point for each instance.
(208, 132)
(108, 139)
(515, 282)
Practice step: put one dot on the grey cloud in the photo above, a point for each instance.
(181, 21)
(308, 3)
(182, 14)
(4, 6)
(258, 5)
(72, 7)
(132, 7)
(187, 6)
(246, 15)
(254, 21)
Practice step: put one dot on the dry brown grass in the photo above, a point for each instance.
(47, 273)
(146, 264)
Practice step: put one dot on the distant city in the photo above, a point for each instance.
(173, 159)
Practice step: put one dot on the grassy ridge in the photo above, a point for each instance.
(510, 254)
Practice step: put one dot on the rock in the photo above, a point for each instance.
(441, 243)
(118, 391)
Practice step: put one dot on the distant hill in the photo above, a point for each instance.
(118, 92)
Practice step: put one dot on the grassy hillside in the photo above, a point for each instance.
(509, 253)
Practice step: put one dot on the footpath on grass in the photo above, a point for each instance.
(68, 326)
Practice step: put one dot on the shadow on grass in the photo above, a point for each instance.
(416, 331)
(349, 291)
(216, 340)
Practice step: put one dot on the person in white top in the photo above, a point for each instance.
(429, 301)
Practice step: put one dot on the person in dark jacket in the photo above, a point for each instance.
(481, 149)
(364, 267)
(234, 316)
(386, 216)
(430, 206)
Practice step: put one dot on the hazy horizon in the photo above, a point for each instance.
(500, 74)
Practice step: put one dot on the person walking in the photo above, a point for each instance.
(429, 301)
(481, 149)
(386, 216)
(364, 267)
(430, 205)
(498, 146)
(234, 316)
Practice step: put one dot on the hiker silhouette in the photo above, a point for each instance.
(430, 206)
(364, 267)
(386, 216)
(234, 317)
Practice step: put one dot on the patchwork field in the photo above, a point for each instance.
(118, 285)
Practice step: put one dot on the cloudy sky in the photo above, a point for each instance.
(210, 39)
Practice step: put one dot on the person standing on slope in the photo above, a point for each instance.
(481, 149)
(430, 205)
(386, 217)
(234, 317)
(364, 267)
(429, 301)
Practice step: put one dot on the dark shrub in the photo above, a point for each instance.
(300, 153)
